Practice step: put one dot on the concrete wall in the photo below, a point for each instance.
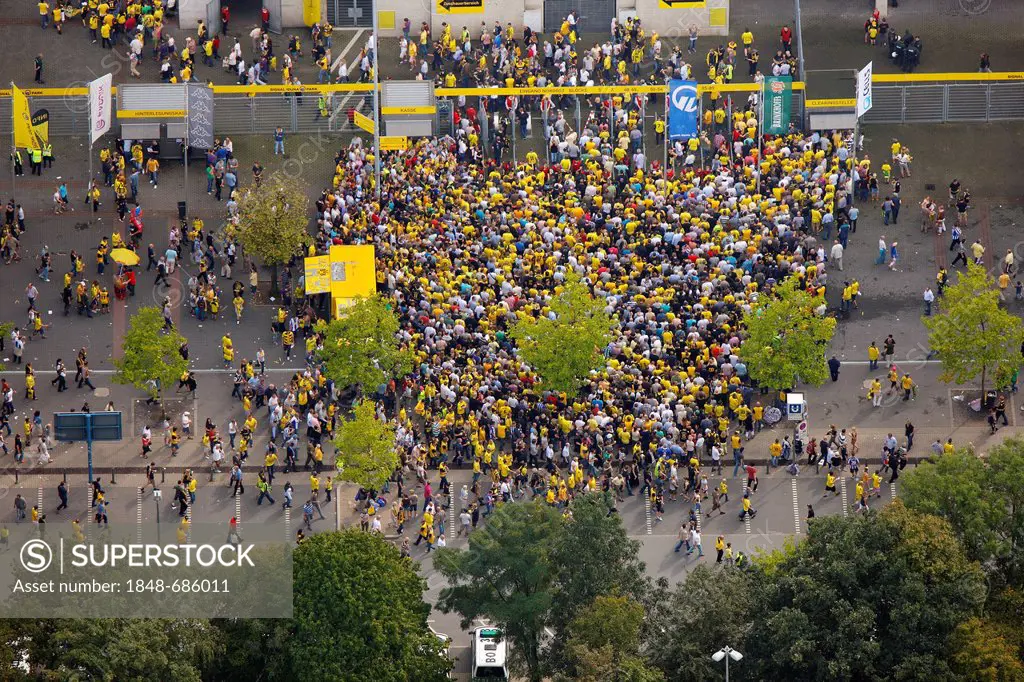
(191, 11)
(675, 23)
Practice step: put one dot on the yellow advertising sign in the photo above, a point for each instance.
(394, 142)
(364, 122)
(460, 6)
(318, 274)
(353, 273)
(834, 103)
(407, 110)
(24, 134)
(151, 113)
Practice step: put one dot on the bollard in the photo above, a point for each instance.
(163, 475)
(211, 474)
(15, 477)
(65, 473)
(113, 476)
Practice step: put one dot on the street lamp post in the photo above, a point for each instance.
(726, 652)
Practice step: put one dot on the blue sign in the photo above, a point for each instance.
(683, 109)
(87, 426)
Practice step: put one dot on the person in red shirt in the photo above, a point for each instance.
(787, 38)
(225, 16)
(265, 18)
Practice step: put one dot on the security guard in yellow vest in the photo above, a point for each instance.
(47, 155)
(19, 169)
(659, 129)
(37, 161)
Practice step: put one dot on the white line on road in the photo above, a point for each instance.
(647, 512)
(892, 491)
(138, 516)
(796, 508)
(842, 495)
(451, 516)
(238, 513)
(287, 524)
(40, 502)
(746, 517)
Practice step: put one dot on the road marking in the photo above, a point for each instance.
(892, 491)
(188, 517)
(746, 517)
(238, 513)
(451, 516)
(287, 524)
(138, 516)
(88, 513)
(842, 495)
(647, 513)
(796, 508)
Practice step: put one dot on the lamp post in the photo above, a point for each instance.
(726, 652)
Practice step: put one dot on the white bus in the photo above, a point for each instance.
(490, 654)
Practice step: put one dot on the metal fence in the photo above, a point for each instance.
(240, 114)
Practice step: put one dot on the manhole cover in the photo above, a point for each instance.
(101, 392)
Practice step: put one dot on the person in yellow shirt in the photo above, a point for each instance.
(44, 13)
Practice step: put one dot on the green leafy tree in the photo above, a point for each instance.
(366, 448)
(274, 223)
(118, 648)
(565, 347)
(5, 333)
(786, 337)
(529, 570)
(255, 650)
(604, 643)
(711, 609)
(973, 336)
(981, 652)
(362, 349)
(875, 597)
(359, 608)
(983, 500)
(150, 360)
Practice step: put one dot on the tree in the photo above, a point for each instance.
(529, 570)
(983, 500)
(5, 334)
(274, 223)
(786, 337)
(981, 652)
(710, 609)
(366, 448)
(604, 642)
(566, 345)
(878, 596)
(362, 349)
(957, 488)
(149, 354)
(973, 336)
(358, 608)
(118, 648)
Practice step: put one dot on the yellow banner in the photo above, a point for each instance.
(840, 103)
(681, 4)
(151, 113)
(460, 6)
(364, 122)
(279, 89)
(390, 111)
(318, 274)
(394, 142)
(24, 135)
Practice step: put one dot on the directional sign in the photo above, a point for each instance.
(151, 113)
(364, 122)
(318, 274)
(681, 4)
(394, 142)
(392, 111)
(460, 6)
(864, 90)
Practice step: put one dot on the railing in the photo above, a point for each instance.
(898, 98)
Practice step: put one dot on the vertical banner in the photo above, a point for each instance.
(864, 90)
(778, 103)
(683, 106)
(200, 116)
(99, 107)
(41, 125)
(24, 135)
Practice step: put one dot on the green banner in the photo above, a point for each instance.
(777, 95)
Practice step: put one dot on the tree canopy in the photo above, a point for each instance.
(359, 608)
(786, 337)
(150, 360)
(366, 448)
(274, 221)
(565, 345)
(362, 349)
(973, 336)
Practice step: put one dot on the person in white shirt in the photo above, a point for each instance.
(836, 254)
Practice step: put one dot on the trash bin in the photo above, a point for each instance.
(181, 210)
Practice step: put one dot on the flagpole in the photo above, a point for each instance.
(760, 137)
(14, 147)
